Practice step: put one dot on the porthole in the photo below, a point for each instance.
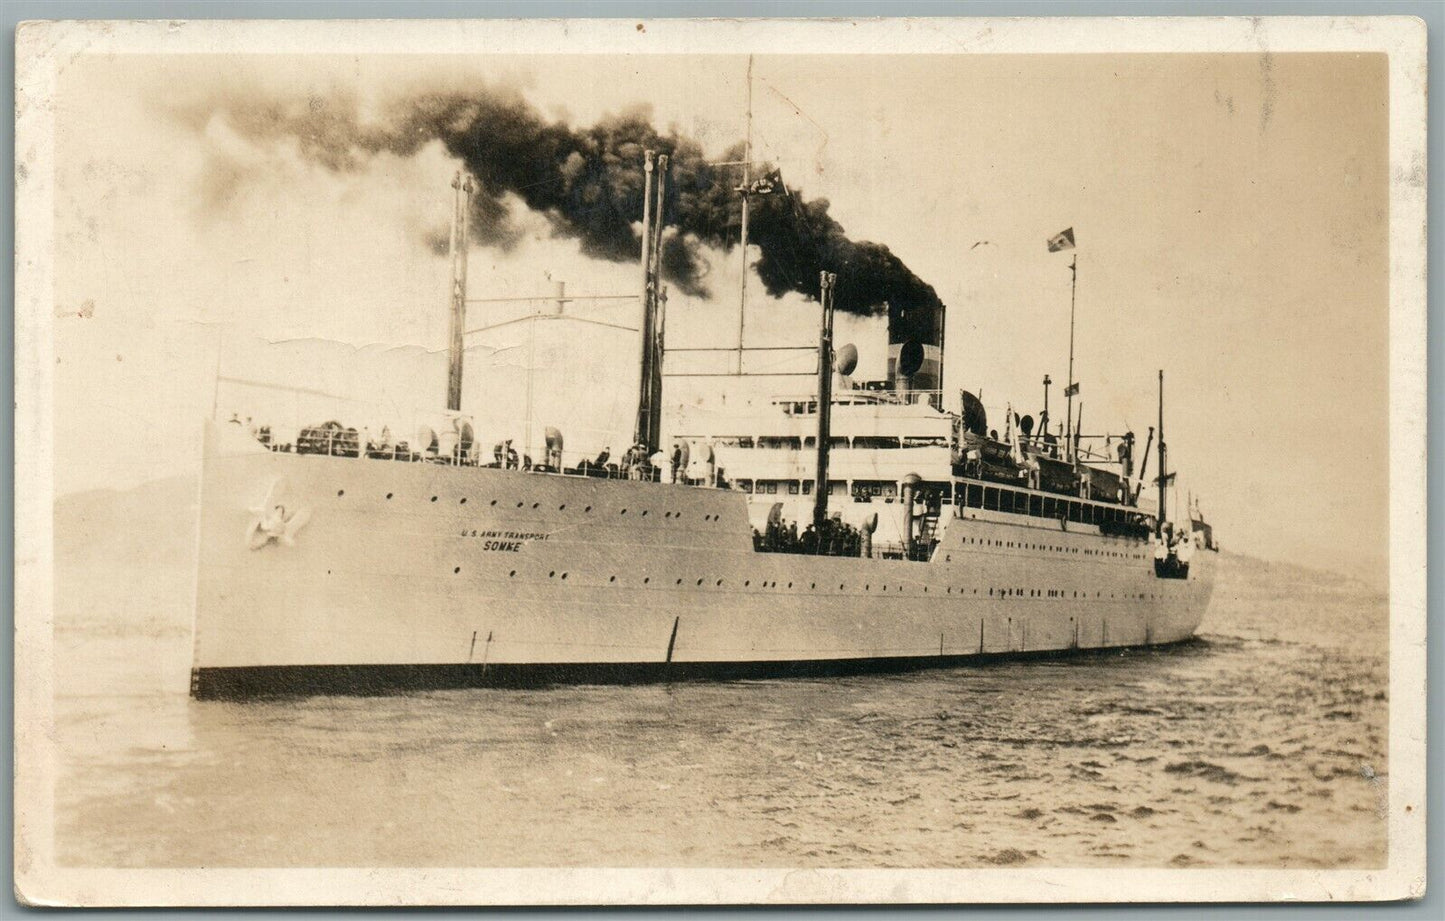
(536, 504)
(519, 504)
(562, 507)
(790, 585)
(494, 501)
(433, 498)
(812, 585)
(456, 569)
(644, 513)
(512, 574)
(564, 575)
(552, 574)
(462, 501)
(388, 495)
(719, 582)
(623, 512)
(646, 579)
(747, 582)
(699, 581)
(340, 493)
(611, 578)
(587, 509)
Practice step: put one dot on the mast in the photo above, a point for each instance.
(461, 211)
(640, 432)
(659, 297)
(1072, 388)
(1044, 416)
(1163, 470)
(826, 281)
(747, 180)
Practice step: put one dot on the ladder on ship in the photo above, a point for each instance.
(927, 537)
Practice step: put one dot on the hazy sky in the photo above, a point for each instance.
(1230, 212)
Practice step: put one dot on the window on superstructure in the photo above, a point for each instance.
(1021, 503)
(779, 442)
(1036, 505)
(876, 441)
(975, 496)
(793, 488)
(807, 487)
(990, 498)
(1051, 507)
(745, 485)
(1076, 512)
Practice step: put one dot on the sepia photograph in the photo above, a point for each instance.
(695, 462)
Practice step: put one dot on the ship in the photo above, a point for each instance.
(863, 526)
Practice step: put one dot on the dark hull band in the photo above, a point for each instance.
(259, 682)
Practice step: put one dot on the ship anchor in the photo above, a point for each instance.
(274, 521)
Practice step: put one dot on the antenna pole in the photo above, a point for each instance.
(1163, 470)
(1072, 387)
(826, 281)
(216, 385)
(461, 210)
(747, 179)
(531, 375)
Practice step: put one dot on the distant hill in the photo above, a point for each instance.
(126, 559)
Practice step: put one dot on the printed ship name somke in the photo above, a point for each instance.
(860, 526)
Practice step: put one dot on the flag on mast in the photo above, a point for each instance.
(1062, 240)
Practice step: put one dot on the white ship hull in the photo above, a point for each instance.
(424, 575)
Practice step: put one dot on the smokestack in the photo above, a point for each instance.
(920, 323)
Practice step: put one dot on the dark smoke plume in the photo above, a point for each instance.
(588, 182)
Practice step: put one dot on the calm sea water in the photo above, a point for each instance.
(1261, 744)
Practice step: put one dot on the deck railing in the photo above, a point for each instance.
(450, 450)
